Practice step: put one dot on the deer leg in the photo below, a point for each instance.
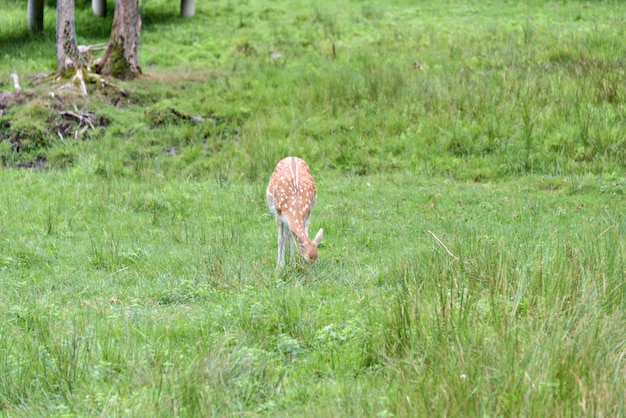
(281, 243)
(291, 249)
(287, 239)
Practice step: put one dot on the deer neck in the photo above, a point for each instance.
(296, 226)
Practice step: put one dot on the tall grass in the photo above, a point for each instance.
(514, 319)
(161, 298)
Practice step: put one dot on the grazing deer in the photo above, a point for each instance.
(291, 196)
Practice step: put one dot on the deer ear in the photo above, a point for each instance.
(318, 237)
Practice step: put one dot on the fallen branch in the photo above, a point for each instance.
(187, 117)
(443, 245)
(85, 50)
(83, 119)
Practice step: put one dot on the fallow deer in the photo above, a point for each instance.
(291, 196)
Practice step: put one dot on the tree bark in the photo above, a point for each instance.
(67, 48)
(121, 58)
(187, 8)
(99, 7)
(35, 15)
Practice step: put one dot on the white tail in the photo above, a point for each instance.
(291, 196)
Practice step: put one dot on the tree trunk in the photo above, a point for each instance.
(67, 48)
(35, 15)
(187, 8)
(121, 58)
(99, 7)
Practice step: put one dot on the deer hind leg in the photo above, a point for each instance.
(282, 238)
(292, 250)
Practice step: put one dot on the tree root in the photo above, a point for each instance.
(81, 80)
(84, 76)
(81, 74)
(104, 83)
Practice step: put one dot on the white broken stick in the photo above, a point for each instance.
(443, 245)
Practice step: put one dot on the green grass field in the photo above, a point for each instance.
(474, 252)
